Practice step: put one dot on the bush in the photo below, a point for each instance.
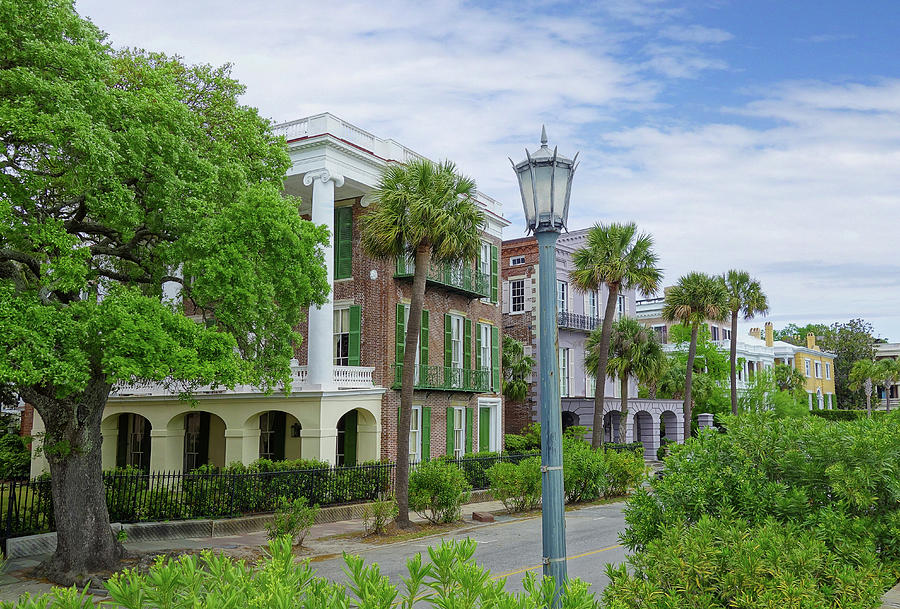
(437, 491)
(729, 563)
(844, 415)
(292, 519)
(635, 447)
(529, 439)
(625, 471)
(15, 457)
(517, 485)
(378, 514)
(584, 471)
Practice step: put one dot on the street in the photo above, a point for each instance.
(511, 548)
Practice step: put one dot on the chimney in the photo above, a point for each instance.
(754, 332)
(810, 340)
(770, 334)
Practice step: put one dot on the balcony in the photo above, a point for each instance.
(345, 377)
(444, 378)
(464, 279)
(577, 321)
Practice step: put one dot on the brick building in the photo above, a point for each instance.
(344, 401)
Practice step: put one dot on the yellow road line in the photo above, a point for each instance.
(535, 568)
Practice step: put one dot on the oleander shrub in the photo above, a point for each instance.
(624, 472)
(437, 491)
(584, 471)
(517, 485)
(728, 562)
(637, 447)
(378, 514)
(292, 519)
(845, 415)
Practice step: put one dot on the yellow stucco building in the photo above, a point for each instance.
(816, 366)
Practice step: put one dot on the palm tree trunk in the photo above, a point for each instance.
(407, 380)
(623, 424)
(600, 384)
(733, 341)
(887, 395)
(688, 377)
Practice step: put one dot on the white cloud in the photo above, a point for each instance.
(696, 34)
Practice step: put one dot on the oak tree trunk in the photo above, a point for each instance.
(733, 341)
(688, 378)
(72, 445)
(407, 381)
(597, 435)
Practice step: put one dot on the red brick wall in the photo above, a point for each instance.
(27, 421)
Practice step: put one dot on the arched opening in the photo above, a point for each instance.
(643, 430)
(569, 419)
(357, 438)
(133, 441)
(279, 436)
(820, 399)
(613, 430)
(347, 434)
(669, 426)
(204, 439)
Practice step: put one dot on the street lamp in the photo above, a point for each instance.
(545, 179)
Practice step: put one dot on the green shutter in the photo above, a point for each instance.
(469, 427)
(279, 424)
(354, 335)
(484, 429)
(478, 362)
(448, 341)
(495, 358)
(450, 434)
(495, 273)
(423, 347)
(426, 433)
(203, 457)
(467, 353)
(351, 420)
(343, 242)
(400, 333)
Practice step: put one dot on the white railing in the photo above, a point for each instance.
(345, 377)
(293, 129)
(357, 136)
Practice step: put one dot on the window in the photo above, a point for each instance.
(415, 435)
(620, 309)
(662, 333)
(517, 295)
(267, 436)
(726, 334)
(456, 341)
(715, 332)
(564, 372)
(459, 432)
(818, 370)
(806, 363)
(138, 438)
(827, 371)
(342, 337)
(592, 304)
(192, 457)
(590, 386)
(516, 260)
(485, 258)
(562, 297)
(484, 331)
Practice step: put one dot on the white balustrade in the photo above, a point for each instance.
(293, 129)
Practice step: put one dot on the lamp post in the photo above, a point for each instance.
(545, 180)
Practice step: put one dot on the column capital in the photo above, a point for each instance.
(324, 175)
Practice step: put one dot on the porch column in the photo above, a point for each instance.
(162, 456)
(320, 358)
(319, 444)
(234, 446)
(651, 445)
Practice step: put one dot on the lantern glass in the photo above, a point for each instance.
(523, 171)
(545, 180)
(543, 175)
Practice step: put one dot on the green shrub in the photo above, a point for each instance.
(584, 471)
(844, 415)
(529, 439)
(15, 457)
(437, 491)
(517, 485)
(292, 519)
(378, 514)
(624, 472)
(729, 563)
(576, 432)
(636, 447)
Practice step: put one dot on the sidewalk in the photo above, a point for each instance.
(324, 540)
(891, 598)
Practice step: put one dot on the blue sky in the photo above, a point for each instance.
(753, 134)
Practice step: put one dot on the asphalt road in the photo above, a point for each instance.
(512, 547)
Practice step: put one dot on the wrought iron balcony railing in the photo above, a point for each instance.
(577, 321)
(462, 278)
(447, 378)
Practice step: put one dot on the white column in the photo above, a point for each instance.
(320, 358)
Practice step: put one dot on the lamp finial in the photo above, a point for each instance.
(543, 136)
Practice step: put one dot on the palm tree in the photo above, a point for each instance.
(633, 352)
(516, 368)
(694, 299)
(623, 259)
(745, 297)
(888, 375)
(862, 376)
(426, 210)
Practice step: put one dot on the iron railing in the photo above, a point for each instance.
(134, 496)
(577, 321)
(462, 278)
(447, 378)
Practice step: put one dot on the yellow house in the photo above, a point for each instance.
(816, 366)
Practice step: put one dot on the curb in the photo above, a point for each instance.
(45, 543)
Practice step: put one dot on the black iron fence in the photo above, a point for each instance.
(133, 496)
(577, 321)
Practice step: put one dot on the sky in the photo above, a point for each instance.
(761, 135)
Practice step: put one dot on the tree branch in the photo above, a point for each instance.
(29, 261)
